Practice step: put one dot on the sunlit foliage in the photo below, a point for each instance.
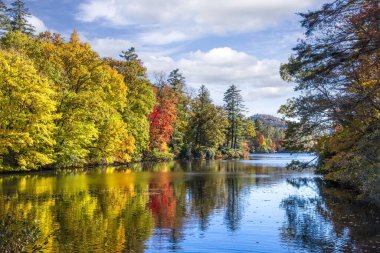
(27, 113)
(337, 69)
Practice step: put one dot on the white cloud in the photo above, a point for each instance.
(38, 24)
(157, 38)
(173, 20)
(110, 47)
(221, 66)
(259, 79)
(218, 68)
(269, 93)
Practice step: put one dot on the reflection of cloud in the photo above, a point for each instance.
(197, 17)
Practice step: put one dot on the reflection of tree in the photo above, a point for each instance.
(115, 210)
(138, 224)
(166, 201)
(88, 213)
(110, 220)
(327, 220)
(207, 194)
(16, 235)
(234, 207)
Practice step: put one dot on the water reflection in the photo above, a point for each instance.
(199, 206)
(328, 220)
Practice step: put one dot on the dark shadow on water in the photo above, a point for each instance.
(328, 220)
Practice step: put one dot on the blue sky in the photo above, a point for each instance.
(213, 42)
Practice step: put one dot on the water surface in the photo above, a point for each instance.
(253, 205)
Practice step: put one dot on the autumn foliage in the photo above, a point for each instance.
(163, 119)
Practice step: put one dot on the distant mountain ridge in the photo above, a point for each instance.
(270, 120)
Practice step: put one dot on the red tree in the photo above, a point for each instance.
(163, 119)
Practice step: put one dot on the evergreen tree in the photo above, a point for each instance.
(207, 122)
(234, 107)
(4, 19)
(129, 55)
(19, 14)
(176, 80)
(202, 101)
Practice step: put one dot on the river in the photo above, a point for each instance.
(253, 205)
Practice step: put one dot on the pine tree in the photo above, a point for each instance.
(176, 80)
(4, 19)
(234, 107)
(198, 120)
(129, 55)
(19, 14)
(207, 122)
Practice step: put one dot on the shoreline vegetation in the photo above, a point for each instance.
(336, 69)
(62, 105)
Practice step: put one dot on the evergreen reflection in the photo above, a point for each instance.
(234, 207)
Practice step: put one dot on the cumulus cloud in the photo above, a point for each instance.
(173, 20)
(221, 67)
(110, 47)
(218, 68)
(38, 24)
(157, 38)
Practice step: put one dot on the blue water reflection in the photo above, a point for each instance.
(254, 205)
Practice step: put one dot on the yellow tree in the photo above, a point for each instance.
(140, 98)
(27, 113)
(91, 97)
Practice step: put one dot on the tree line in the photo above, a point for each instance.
(270, 133)
(63, 105)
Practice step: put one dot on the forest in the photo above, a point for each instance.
(62, 105)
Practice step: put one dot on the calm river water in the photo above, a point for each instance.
(253, 205)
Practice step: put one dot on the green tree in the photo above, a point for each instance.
(176, 80)
(18, 14)
(177, 83)
(140, 99)
(234, 107)
(337, 70)
(4, 19)
(130, 55)
(208, 123)
(27, 113)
